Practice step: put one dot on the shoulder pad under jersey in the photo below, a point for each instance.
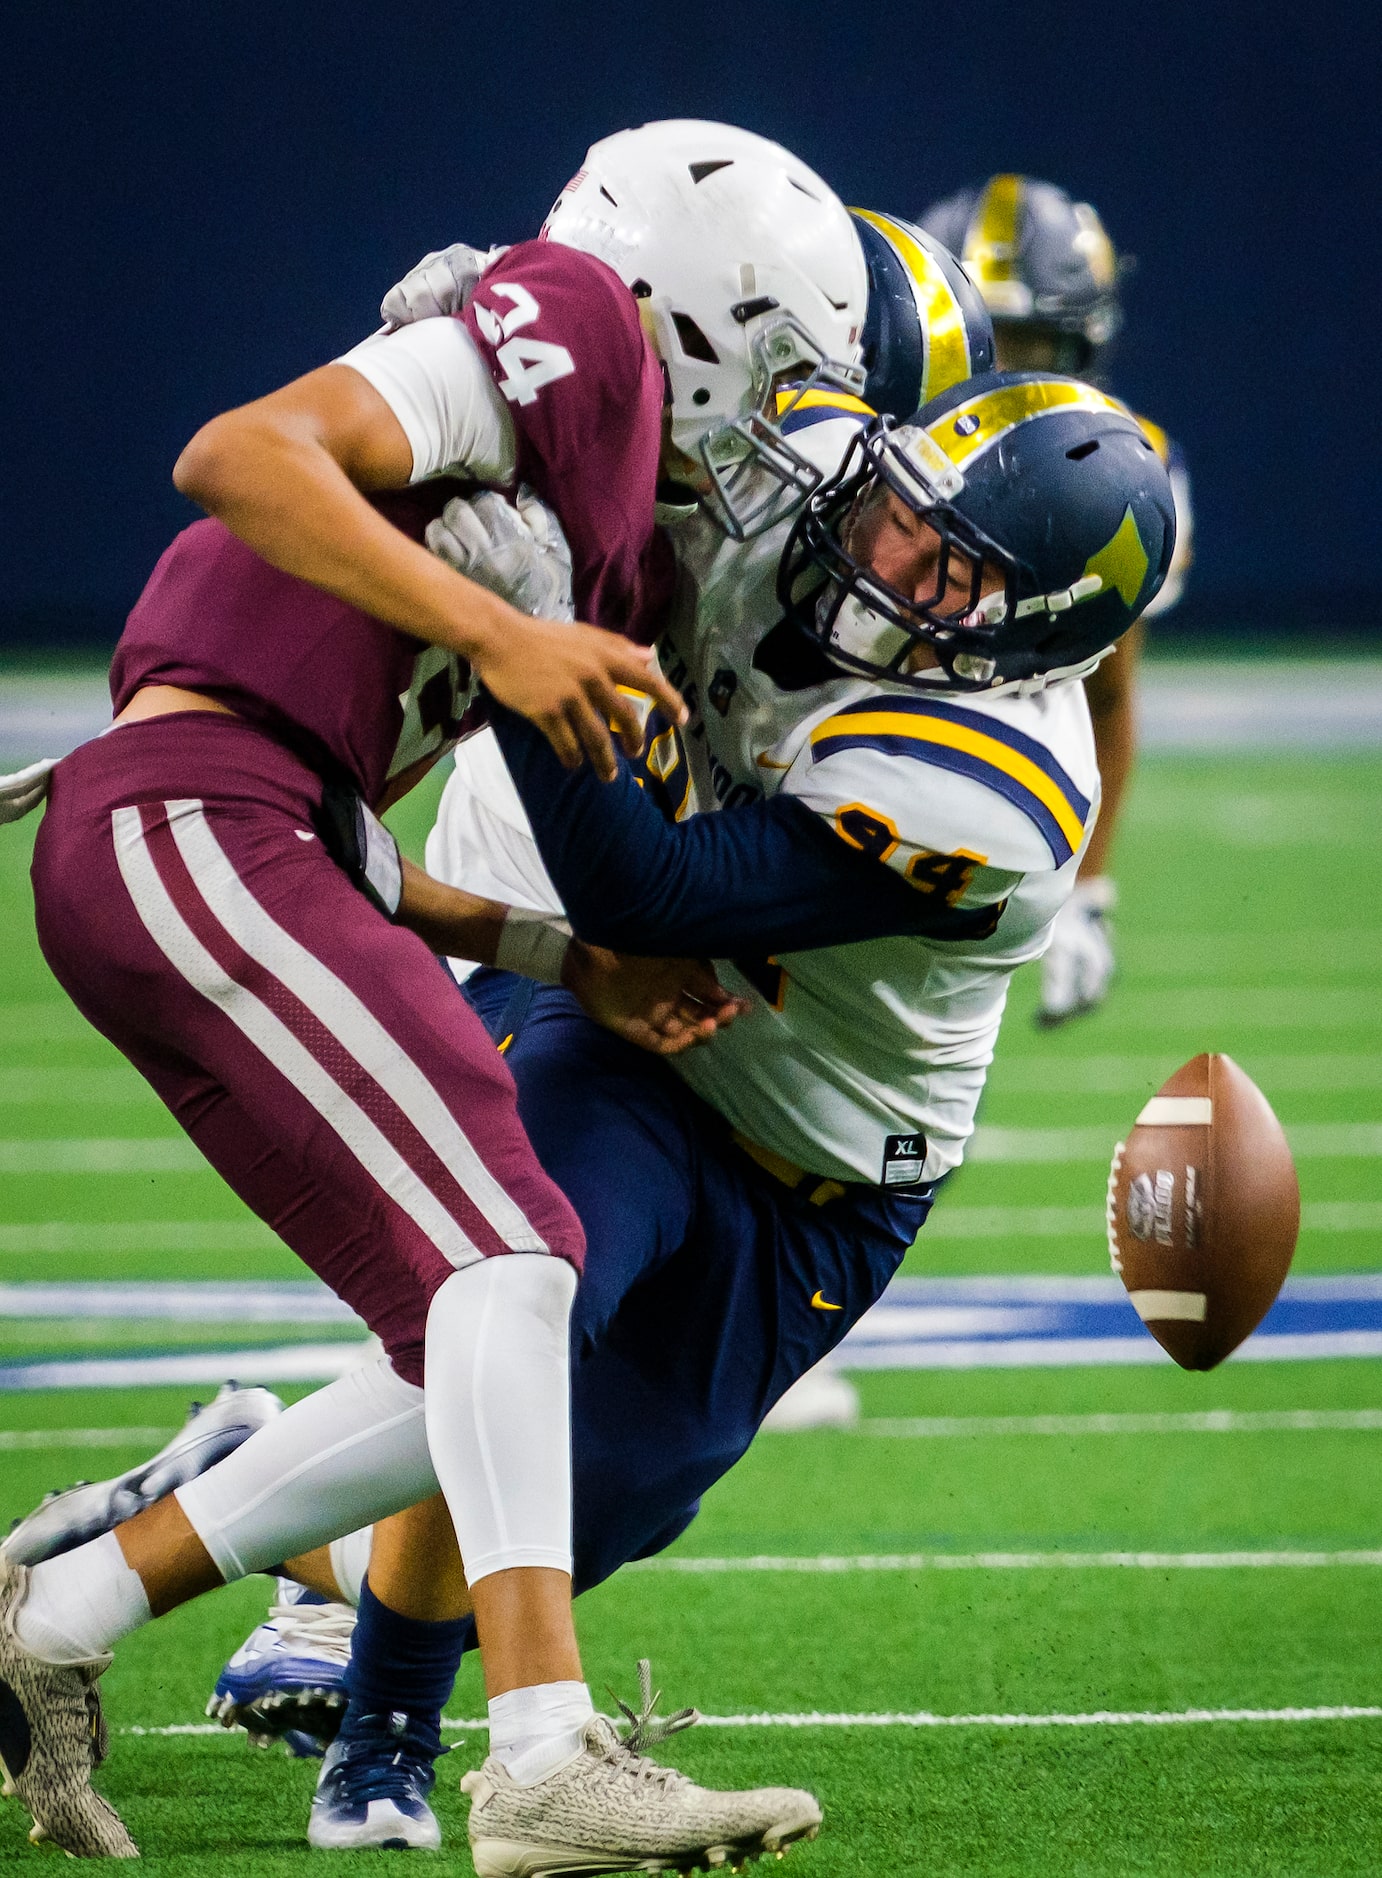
(919, 775)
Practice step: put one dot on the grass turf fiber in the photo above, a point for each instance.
(1250, 922)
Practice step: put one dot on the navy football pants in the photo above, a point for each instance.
(695, 1309)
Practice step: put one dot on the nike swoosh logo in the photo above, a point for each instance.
(818, 1303)
(764, 761)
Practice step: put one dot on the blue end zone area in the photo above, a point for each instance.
(1056, 1322)
(923, 1323)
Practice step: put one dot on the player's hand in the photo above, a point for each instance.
(566, 680)
(441, 283)
(663, 1005)
(25, 789)
(1079, 964)
(516, 550)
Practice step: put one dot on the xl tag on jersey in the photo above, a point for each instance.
(904, 1157)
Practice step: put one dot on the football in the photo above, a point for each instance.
(1203, 1211)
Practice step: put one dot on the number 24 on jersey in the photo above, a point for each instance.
(528, 363)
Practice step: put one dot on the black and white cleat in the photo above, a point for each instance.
(211, 1432)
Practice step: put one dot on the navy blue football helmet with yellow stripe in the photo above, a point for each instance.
(926, 327)
(1003, 540)
(1041, 261)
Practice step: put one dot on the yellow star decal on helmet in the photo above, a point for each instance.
(1122, 561)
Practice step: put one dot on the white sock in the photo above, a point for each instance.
(533, 1732)
(81, 1603)
(348, 1454)
(350, 1562)
(498, 1405)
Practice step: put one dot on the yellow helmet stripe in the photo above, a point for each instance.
(1157, 437)
(991, 238)
(979, 422)
(947, 343)
(791, 399)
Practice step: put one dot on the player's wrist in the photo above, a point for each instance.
(536, 945)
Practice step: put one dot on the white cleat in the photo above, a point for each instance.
(83, 1512)
(375, 1788)
(287, 1680)
(52, 1735)
(822, 1398)
(610, 1810)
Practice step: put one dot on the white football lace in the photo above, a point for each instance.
(323, 1629)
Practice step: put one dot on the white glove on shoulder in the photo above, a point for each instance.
(441, 283)
(25, 789)
(515, 550)
(1079, 963)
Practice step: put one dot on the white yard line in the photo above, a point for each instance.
(915, 1428)
(89, 1154)
(13, 1440)
(1208, 1422)
(923, 1718)
(1026, 1146)
(56, 1236)
(175, 1154)
(283, 1301)
(300, 1362)
(826, 1565)
(1060, 1222)
(1044, 1073)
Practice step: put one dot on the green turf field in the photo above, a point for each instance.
(1252, 892)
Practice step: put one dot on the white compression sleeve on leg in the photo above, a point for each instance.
(341, 1458)
(499, 1410)
(350, 1562)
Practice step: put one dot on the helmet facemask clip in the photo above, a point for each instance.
(755, 476)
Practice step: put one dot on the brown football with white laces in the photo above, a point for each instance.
(1203, 1211)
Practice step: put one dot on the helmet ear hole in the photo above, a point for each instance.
(693, 341)
(1082, 450)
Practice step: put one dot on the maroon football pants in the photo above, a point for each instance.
(313, 1051)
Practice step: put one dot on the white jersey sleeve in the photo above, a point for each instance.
(960, 799)
(433, 379)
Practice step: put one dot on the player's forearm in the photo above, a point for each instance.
(277, 485)
(1116, 742)
(453, 923)
(1112, 692)
(764, 878)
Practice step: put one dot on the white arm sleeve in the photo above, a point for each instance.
(436, 384)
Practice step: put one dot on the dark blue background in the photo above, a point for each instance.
(202, 200)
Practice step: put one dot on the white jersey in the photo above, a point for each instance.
(861, 1062)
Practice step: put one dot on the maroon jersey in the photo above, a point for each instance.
(354, 696)
(561, 335)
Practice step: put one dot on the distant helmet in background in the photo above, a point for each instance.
(1039, 259)
(1055, 523)
(752, 275)
(927, 326)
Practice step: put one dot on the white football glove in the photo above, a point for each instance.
(1078, 967)
(25, 789)
(441, 283)
(517, 552)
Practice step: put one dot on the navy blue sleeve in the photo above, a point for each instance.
(766, 877)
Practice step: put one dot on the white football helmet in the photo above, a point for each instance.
(753, 278)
